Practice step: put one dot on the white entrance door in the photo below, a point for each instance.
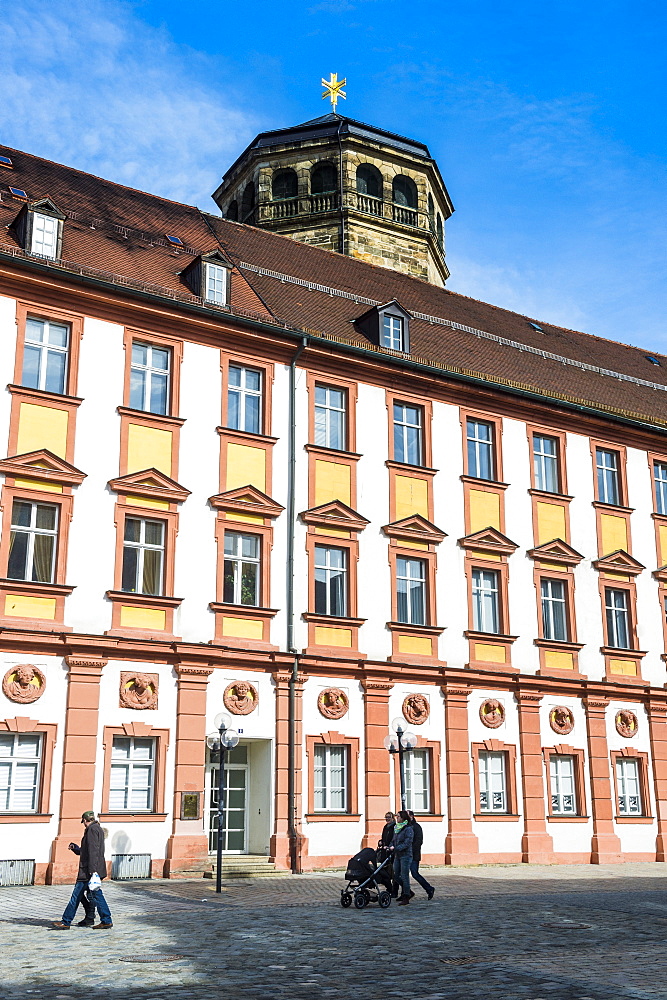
(235, 820)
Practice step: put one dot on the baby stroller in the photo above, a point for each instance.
(366, 883)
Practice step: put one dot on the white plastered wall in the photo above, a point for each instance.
(568, 837)
(504, 836)
(634, 837)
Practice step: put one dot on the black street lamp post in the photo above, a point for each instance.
(400, 743)
(225, 739)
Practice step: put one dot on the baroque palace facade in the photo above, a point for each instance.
(309, 485)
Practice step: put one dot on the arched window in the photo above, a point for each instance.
(369, 180)
(323, 179)
(284, 185)
(431, 210)
(248, 202)
(233, 211)
(439, 230)
(404, 192)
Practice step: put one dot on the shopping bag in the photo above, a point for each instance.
(95, 882)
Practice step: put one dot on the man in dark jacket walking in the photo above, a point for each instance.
(91, 862)
(417, 841)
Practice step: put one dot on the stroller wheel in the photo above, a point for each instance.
(360, 900)
(346, 899)
(384, 900)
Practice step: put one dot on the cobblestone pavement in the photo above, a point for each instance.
(490, 933)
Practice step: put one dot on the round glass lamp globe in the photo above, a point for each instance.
(230, 739)
(213, 741)
(390, 743)
(409, 741)
(398, 723)
(222, 719)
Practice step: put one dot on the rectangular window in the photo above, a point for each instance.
(480, 444)
(44, 235)
(485, 601)
(149, 378)
(545, 463)
(143, 556)
(330, 581)
(392, 332)
(45, 355)
(411, 591)
(216, 283)
(33, 541)
(20, 763)
(554, 611)
(244, 399)
(132, 774)
(408, 434)
(330, 792)
(660, 480)
(563, 790)
(618, 618)
(492, 782)
(418, 781)
(330, 417)
(242, 561)
(628, 788)
(607, 464)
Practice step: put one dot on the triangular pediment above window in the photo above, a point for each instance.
(44, 466)
(247, 500)
(489, 540)
(334, 514)
(415, 527)
(46, 206)
(150, 483)
(620, 561)
(556, 551)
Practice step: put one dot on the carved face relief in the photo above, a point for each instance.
(492, 713)
(626, 723)
(138, 691)
(561, 720)
(23, 684)
(416, 709)
(241, 698)
(332, 703)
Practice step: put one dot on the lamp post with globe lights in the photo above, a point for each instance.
(399, 742)
(225, 739)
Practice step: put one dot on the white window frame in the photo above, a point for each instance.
(411, 576)
(403, 424)
(31, 531)
(496, 790)
(12, 765)
(545, 464)
(243, 392)
(563, 802)
(551, 603)
(607, 463)
(46, 348)
(133, 762)
(44, 237)
(660, 480)
(323, 565)
(142, 546)
(418, 777)
(477, 445)
(238, 560)
(323, 787)
(628, 787)
(330, 417)
(486, 601)
(147, 371)
(215, 283)
(393, 331)
(615, 614)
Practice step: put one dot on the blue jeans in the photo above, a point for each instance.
(402, 871)
(89, 901)
(414, 871)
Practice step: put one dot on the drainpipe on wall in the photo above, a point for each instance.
(293, 832)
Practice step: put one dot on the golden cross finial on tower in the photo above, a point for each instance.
(334, 89)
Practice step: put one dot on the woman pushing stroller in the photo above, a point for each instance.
(402, 844)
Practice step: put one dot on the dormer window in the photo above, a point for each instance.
(209, 277)
(44, 235)
(387, 326)
(39, 227)
(392, 332)
(216, 283)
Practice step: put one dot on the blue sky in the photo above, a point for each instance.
(547, 121)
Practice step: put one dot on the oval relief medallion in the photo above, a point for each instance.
(561, 720)
(138, 691)
(416, 709)
(492, 713)
(241, 698)
(332, 703)
(626, 723)
(24, 683)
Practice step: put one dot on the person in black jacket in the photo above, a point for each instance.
(417, 841)
(402, 844)
(91, 862)
(387, 834)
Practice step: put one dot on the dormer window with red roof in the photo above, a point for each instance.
(208, 276)
(39, 226)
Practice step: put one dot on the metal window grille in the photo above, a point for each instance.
(17, 871)
(130, 866)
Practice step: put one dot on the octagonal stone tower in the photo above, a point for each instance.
(344, 186)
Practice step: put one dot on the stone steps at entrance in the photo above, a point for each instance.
(246, 866)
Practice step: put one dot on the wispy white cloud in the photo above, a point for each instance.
(86, 82)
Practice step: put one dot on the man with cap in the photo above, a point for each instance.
(91, 862)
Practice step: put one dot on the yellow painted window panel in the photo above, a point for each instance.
(147, 502)
(333, 532)
(490, 654)
(152, 619)
(493, 556)
(404, 543)
(25, 606)
(333, 636)
(484, 510)
(556, 567)
(332, 482)
(37, 484)
(558, 659)
(550, 522)
(245, 518)
(613, 533)
(662, 536)
(246, 466)
(411, 497)
(420, 645)
(148, 448)
(243, 628)
(625, 668)
(42, 427)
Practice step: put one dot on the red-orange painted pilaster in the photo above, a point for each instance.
(280, 840)
(461, 845)
(377, 778)
(79, 756)
(536, 842)
(657, 720)
(605, 845)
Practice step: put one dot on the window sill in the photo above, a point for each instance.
(566, 645)
(416, 629)
(246, 435)
(43, 395)
(568, 819)
(496, 817)
(490, 636)
(633, 654)
(15, 818)
(332, 620)
(332, 817)
(645, 820)
(547, 495)
(144, 600)
(163, 418)
(409, 467)
(477, 481)
(333, 452)
(118, 817)
(31, 587)
(243, 610)
(617, 507)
